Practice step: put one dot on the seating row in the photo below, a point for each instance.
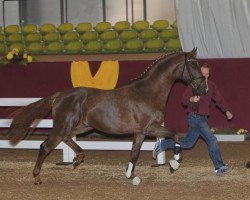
(63, 28)
(88, 36)
(139, 37)
(95, 46)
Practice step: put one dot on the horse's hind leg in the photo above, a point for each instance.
(45, 148)
(78, 151)
(75, 147)
(134, 155)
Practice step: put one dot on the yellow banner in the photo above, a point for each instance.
(105, 78)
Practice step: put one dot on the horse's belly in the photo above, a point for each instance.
(114, 124)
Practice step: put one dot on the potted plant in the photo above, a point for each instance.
(15, 56)
(230, 134)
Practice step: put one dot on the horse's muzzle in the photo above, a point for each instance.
(200, 90)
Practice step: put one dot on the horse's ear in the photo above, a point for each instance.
(192, 54)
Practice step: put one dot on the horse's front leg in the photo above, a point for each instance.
(134, 155)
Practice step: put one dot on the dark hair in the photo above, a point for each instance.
(205, 65)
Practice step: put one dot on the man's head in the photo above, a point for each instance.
(205, 70)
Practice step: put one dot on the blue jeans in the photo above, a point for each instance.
(198, 126)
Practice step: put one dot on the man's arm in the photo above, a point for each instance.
(220, 101)
(188, 97)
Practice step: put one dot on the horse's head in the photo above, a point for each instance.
(191, 74)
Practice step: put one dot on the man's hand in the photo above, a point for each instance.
(194, 99)
(229, 115)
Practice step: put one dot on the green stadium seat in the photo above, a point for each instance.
(168, 34)
(108, 35)
(122, 26)
(70, 36)
(160, 25)
(89, 36)
(103, 26)
(14, 38)
(154, 45)
(83, 27)
(2, 38)
(33, 37)
(52, 37)
(174, 24)
(10, 29)
(35, 48)
(20, 46)
(133, 46)
(73, 47)
(65, 28)
(148, 34)
(93, 46)
(140, 25)
(29, 28)
(2, 48)
(113, 46)
(128, 35)
(47, 28)
(173, 45)
(54, 48)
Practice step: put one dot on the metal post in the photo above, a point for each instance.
(3, 9)
(104, 10)
(127, 10)
(132, 8)
(144, 10)
(62, 10)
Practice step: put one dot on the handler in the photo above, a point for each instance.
(198, 109)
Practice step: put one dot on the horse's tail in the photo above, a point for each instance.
(23, 119)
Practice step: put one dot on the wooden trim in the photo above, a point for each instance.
(97, 57)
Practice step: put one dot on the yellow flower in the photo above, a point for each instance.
(213, 130)
(9, 56)
(29, 58)
(25, 55)
(15, 51)
(241, 131)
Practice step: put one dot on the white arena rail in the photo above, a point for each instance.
(68, 154)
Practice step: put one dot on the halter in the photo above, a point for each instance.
(192, 77)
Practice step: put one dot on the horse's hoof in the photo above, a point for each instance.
(171, 170)
(76, 162)
(136, 181)
(38, 182)
(174, 164)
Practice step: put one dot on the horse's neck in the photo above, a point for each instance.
(160, 81)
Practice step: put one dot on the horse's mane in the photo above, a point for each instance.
(154, 63)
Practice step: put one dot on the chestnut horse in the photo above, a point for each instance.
(137, 108)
